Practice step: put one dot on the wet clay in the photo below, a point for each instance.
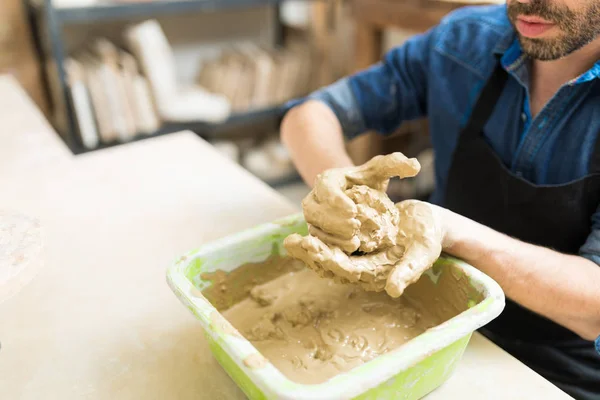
(229, 288)
(378, 222)
(348, 207)
(358, 235)
(371, 270)
(393, 269)
(372, 242)
(312, 329)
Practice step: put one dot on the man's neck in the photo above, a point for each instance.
(547, 77)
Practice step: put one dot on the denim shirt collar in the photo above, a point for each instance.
(516, 63)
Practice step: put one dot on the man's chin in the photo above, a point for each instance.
(535, 53)
(541, 49)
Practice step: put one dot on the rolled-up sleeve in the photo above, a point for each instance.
(384, 95)
(341, 100)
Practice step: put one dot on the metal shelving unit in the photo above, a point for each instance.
(110, 12)
(286, 180)
(205, 130)
(57, 18)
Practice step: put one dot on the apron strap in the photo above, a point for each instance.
(486, 103)
(594, 166)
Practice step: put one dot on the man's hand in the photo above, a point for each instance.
(420, 234)
(333, 216)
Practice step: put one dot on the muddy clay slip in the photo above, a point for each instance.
(458, 294)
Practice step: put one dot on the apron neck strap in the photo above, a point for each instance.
(485, 104)
(594, 166)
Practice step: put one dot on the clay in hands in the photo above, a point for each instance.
(397, 243)
(342, 212)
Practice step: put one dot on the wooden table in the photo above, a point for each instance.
(99, 321)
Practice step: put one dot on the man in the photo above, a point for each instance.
(512, 94)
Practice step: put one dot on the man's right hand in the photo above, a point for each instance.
(422, 230)
(332, 215)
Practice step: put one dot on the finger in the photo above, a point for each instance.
(349, 246)
(327, 262)
(299, 248)
(330, 189)
(377, 172)
(329, 219)
(310, 251)
(338, 263)
(293, 246)
(397, 164)
(417, 259)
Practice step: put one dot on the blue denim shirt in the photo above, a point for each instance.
(440, 74)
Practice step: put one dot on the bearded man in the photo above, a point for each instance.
(512, 94)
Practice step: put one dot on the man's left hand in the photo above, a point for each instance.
(421, 233)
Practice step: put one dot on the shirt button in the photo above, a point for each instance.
(524, 117)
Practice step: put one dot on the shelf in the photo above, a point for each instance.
(203, 129)
(284, 181)
(101, 146)
(236, 120)
(58, 17)
(124, 10)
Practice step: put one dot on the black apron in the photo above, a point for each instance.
(482, 188)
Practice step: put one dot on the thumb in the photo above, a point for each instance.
(377, 171)
(417, 259)
(329, 188)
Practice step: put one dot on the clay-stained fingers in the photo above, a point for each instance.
(329, 189)
(417, 259)
(419, 221)
(349, 246)
(420, 233)
(329, 219)
(377, 172)
(327, 262)
(369, 271)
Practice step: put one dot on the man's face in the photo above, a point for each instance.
(552, 29)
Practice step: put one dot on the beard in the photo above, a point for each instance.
(578, 28)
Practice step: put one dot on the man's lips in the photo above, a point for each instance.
(530, 26)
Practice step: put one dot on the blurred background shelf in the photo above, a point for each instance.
(78, 42)
(144, 9)
(208, 131)
(284, 181)
(50, 21)
(42, 42)
(162, 131)
(236, 120)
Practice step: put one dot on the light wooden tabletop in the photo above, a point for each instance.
(99, 321)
